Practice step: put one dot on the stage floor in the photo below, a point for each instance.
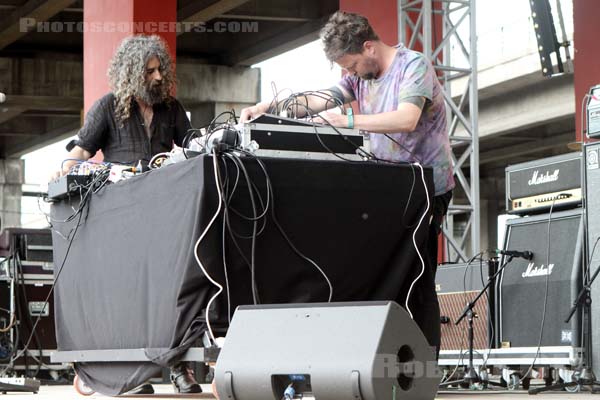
(166, 392)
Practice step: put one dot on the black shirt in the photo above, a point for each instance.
(129, 143)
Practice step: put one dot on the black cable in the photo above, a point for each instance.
(230, 230)
(539, 345)
(58, 273)
(491, 326)
(462, 339)
(370, 155)
(281, 230)
(254, 231)
(21, 276)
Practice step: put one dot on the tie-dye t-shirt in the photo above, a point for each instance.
(409, 75)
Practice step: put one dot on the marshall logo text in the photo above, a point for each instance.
(538, 179)
(532, 270)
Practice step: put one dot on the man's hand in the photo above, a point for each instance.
(65, 170)
(54, 176)
(249, 113)
(329, 118)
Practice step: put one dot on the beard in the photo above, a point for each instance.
(151, 93)
(368, 76)
(373, 70)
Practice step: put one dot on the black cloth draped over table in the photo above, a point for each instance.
(130, 279)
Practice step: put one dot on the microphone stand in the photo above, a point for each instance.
(586, 377)
(471, 377)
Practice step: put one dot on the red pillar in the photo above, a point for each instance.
(587, 57)
(107, 22)
(382, 15)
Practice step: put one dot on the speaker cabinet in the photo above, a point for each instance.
(592, 201)
(328, 351)
(456, 285)
(29, 304)
(521, 288)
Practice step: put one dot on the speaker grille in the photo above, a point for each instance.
(456, 285)
(522, 285)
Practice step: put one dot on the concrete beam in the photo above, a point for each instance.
(40, 10)
(201, 83)
(248, 54)
(530, 105)
(196, 13)
(53, 103)
(8, 113)
(519, 150)
(23, 147)
(276, 18)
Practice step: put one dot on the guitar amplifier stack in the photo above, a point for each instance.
(533, 297)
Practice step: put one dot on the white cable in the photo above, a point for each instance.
(210, 332)
(415, 242)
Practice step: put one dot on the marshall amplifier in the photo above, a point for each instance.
(521, 288)
(534, 186)
(457, 284)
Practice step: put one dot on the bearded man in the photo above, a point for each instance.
(138, 118)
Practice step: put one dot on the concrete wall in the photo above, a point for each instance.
(11, 179)
(207, 90)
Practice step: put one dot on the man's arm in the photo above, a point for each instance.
(314, 102)
(404, 119)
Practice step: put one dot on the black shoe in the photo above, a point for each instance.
(182, 377)
(145, 388)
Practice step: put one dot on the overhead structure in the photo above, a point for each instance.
(445, 31)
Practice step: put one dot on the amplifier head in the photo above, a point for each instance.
(534, 186)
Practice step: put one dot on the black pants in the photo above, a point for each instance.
(427, 308)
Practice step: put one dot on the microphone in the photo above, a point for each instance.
(528, 255)
(2, 97)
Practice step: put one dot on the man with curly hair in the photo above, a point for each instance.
(401, 105)
(138, 118)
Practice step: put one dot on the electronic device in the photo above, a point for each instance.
(67, 185)
(328, 351)
(593, 112)
(273, 119)
(535, 186)
(305, 141)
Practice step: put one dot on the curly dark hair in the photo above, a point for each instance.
(126, 72)
(345, 33)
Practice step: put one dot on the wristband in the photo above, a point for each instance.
(350, 114)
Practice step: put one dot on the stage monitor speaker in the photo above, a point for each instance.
(521, 288)
(457, 284)
(592, 201)
(327, 351)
